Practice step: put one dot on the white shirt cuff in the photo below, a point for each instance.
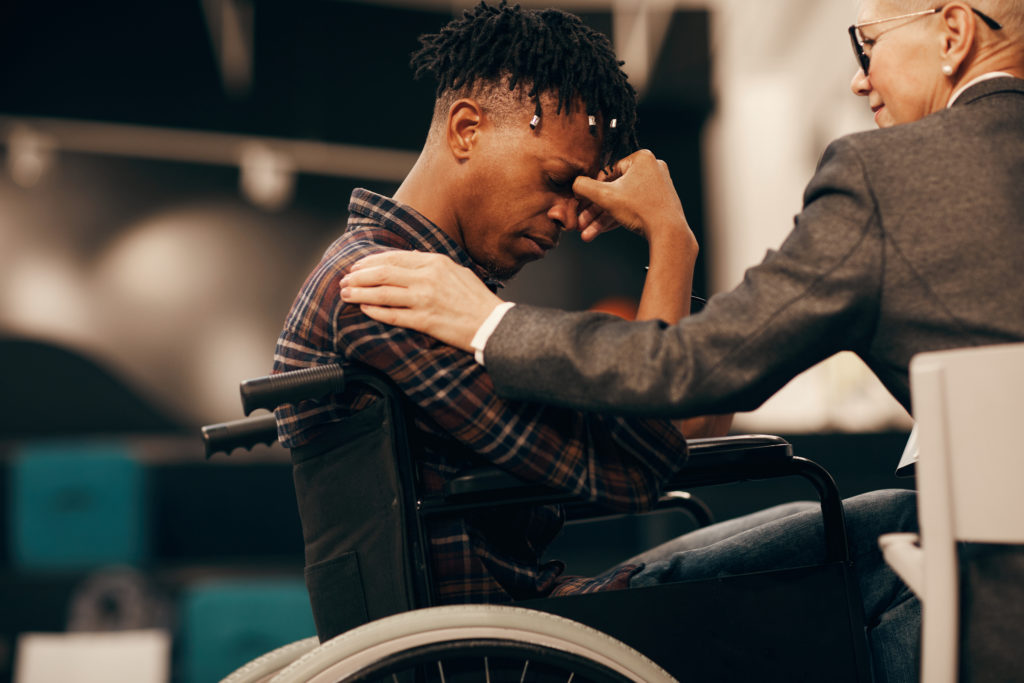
(484, 332)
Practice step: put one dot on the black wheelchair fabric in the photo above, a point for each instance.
(991, 612)
(349, 498)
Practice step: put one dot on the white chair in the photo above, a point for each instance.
(969, 405)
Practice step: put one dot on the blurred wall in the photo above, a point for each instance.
(781, 74)
(161, 272)
(173, 171)
(166, 266)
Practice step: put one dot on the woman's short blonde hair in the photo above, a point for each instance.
(1009, 13)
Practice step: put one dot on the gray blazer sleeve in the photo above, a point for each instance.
(813, 297)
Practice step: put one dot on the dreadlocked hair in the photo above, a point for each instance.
(550, 52)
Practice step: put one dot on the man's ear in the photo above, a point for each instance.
(958, 24)
(465, 118)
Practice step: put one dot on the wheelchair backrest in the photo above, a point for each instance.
(364, 543)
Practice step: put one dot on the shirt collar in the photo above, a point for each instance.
(408, 223)
(974, 81)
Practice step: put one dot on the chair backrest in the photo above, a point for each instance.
(355, 488)
(967, 403)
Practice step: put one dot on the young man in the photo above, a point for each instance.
(527, 102)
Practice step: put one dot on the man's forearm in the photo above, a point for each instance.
(666, 296)
(669, 281)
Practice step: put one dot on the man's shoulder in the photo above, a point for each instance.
(321, 290)
(359, 241)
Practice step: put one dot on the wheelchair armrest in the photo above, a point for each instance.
(225, 437)
(726, 459)
(494, 486)
(757, 456)
(482, 480)
(711, 461)
(717, 460)
(489, 486)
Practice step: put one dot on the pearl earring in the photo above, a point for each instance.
(947, 70)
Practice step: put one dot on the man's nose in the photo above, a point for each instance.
(860, 85)
(565, 213)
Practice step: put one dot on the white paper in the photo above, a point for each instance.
(906, 466)
(141, 656)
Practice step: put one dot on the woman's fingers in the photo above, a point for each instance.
(425, 292)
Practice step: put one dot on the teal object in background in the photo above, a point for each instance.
(76, 506)
(226, 623)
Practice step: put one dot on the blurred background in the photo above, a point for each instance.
(172, 171)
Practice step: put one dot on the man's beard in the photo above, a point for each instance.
(500, 273)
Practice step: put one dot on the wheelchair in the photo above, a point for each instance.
(376, 615)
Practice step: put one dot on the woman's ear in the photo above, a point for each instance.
(465, 118)
(958, 27)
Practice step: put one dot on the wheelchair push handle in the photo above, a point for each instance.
(227, 436)
(291, 387)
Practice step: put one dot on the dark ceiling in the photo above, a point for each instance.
(321, 69)
(329, 70)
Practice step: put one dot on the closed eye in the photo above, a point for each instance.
(559, 184)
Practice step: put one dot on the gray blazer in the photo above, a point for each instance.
(911, 239)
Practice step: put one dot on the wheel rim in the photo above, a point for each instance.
(486, 661)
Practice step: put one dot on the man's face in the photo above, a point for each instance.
(520, 196)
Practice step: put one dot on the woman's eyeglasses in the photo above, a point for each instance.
(858, 39)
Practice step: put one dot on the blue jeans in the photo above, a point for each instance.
(791, 536)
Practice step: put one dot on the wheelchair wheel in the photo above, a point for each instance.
(479, 643)
(264, 667)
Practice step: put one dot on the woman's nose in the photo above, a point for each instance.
(860, 85)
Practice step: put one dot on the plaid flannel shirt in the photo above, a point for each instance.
(486, 556)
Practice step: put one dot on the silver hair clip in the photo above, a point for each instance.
(592, 123)
(613, 123)
(534, 121)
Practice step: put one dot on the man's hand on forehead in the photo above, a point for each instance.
(636, 193)
(592, 219)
